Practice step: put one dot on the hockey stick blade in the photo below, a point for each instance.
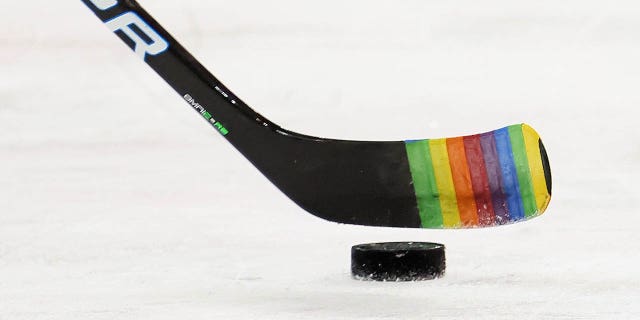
(481, 180)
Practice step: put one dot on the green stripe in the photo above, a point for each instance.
(424, 183)
(524, 173)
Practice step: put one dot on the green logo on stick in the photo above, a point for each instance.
(206, 114)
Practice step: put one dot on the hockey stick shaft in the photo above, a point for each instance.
(167, 57)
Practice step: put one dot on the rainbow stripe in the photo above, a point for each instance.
(482, 180)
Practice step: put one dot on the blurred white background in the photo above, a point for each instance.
(118, 202)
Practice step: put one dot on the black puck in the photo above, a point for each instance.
(398, 261)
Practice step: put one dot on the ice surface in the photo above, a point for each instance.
(118, 202)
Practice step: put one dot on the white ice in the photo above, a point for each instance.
(119, 202)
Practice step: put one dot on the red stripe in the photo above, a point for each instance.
(462, 182)
(479, 180)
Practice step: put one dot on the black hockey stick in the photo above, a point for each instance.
(493, 178)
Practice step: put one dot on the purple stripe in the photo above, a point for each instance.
(494, 175)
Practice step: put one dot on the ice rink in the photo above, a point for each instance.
(119, 202)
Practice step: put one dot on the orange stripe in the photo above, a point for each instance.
(462, 182)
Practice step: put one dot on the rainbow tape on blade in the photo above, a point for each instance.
(494, 178)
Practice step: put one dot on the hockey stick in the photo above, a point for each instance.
(489, 179)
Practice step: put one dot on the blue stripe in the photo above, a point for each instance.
(510, 184)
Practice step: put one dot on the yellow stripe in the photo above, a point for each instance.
(531, 140)
(444, 181)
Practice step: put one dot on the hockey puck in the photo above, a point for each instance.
(398, 261)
